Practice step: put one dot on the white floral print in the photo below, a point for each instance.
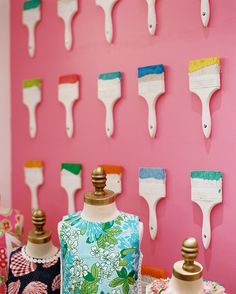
(100, 257)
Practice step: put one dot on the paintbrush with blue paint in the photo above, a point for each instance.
(151, 85)
(152, 187)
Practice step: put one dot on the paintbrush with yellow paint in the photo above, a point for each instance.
(33, 170)
(204, 81)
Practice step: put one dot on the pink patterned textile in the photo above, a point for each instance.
(11, 223)
(161, 286)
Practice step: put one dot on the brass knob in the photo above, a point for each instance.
(190, 253)
(99, 181)
(38, 235)
(99, 196)
(39, 221)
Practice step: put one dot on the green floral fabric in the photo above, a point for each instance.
(100, 258)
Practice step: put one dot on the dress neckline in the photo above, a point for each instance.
(104, 222)
(39, 260)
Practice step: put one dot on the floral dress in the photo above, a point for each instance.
(29, 275)
(100, 257)
(11, 223)
(162, 286)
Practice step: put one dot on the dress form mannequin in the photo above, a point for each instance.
(39, 244)
(187, 274)
(104, 241)
(99, 204)
(35, 268)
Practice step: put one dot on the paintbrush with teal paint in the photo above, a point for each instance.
(71, 182)
(206, 191)
(151, 85)
(109, 91)
(31, 16)
(152, 187)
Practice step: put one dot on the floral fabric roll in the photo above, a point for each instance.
(161, 286)
(11, 225)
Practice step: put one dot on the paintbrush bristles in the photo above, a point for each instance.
(195, 65)
(209, 70)
(33, 163)
(156, 173)
(32, 83)
(30, 4)
(206, 186)
(112, 169)
(152, 77)
(207, 175)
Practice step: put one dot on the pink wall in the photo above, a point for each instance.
(5, 105)
(179, 147)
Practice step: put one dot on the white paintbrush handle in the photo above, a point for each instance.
(69, 120)
(34, 197)
(108, 24)
(68, 33)
(109, 120)
(206, 228)
(31, 40)
(32, 121)
(152, 16)
(205, 12)
(152, 122)
(206, 117)
(152, 220)
(71, 202)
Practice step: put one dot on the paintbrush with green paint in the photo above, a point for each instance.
(31, 98)
(206, 191)
(71, 182)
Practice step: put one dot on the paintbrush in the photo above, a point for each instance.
(152, 187)
(31, 98)
(71, 182)
(152, 22)
(206, 191)
(68, 93)
(204, 81)
(33, 170)
(66, 9)
(151, 85)
(205, 12)
(109, 91)
(114, 176)
(107, 6)
(31, 16)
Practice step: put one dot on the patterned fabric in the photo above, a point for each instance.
(20, 266)
(33, 276)
(100, 258)
(162, 286)
(11, 223)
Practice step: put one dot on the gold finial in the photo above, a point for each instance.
(99, 196)
(38, 235)
(188, 269)
(99, 181)
(190, 253)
